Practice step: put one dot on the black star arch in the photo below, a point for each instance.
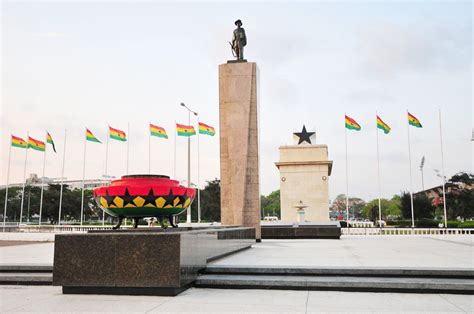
(304, 136)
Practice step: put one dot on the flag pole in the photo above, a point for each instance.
(378, 170)
(24, 177)
(174, 164)
(106, 157)
(62, 179)
(128, 143)
(198, 178)
(347, 178)
(6, 187)
(83, 176)
(42, 184)
(411, 180)
(149, 149)
(442, 171)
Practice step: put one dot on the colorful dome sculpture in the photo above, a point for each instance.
(140, 196)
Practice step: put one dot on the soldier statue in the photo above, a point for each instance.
(239, 41)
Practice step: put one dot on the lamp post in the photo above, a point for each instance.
(188, 211)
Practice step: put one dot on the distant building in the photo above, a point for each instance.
(34, 180)
(435, 194)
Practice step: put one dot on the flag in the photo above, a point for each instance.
(91, 137)
(157, 131)
(185, 130)
(206, 129)
(35, 144)
(117, 134)
(351, 124)
(49, 140)
(383, 126)
(412, 120)
(19, 142)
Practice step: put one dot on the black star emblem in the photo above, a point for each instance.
(304, 136)
(109, 199)
(127, 198)
(149, 199)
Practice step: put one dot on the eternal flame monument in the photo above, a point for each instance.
(304, 175)
(238, 107)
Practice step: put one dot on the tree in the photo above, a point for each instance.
(210, 202)
(355, 205)
(460, 198)
(421, 204)
(389, 208)
(271, 204)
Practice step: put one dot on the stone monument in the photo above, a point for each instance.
(238, 108)
(304, 173)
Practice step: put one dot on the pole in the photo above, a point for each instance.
(6, 188)
(128, 144)
(347, 181)
(411, 180)
(149, 149)
(174, 163)
(83, 177)
(29, 203)
(106, 158)
(198, 179)
(62, 179)
(422, 180)
(188, 211)
(442, 171)
(42, 188)
(378, 172)
(24, 178)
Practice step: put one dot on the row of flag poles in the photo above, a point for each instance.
(114, 134)
(351, 124)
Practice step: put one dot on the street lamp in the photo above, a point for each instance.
(188, 211)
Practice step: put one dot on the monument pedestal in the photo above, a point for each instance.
(304, 176)
(238, 108)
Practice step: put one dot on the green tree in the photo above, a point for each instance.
(460, 198)
(355, 205)
(210, 202)
(421, 204)
(270, 204)
(389, 208)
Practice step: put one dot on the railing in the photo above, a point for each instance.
(406, 231)
(53, 229)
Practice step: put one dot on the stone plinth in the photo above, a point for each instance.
(304, 176)
(238, 108)
(140, 262)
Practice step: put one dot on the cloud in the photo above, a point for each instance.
(388, 50)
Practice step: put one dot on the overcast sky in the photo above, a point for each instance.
(90, 64)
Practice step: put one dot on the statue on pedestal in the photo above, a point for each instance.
(239, 41)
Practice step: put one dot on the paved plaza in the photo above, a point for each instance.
(452, 251)
(357, 251)
(21, 299)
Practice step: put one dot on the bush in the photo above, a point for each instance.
(426, 223)
(343, 223)
(466, 224)
(453, 224)
(401, 223)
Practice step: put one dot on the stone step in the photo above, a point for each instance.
(342, 271)
(338, 283)
(36, 268)
(26, 278)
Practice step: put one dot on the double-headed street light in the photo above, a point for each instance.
(188, 211)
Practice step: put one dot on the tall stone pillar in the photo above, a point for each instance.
(238, 108)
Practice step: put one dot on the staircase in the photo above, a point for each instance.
(416, 280)
(26, 275)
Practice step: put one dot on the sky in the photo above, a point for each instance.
(71, 65)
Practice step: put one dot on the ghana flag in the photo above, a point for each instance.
(35, 144)
(351, 124)
(91, 137)
(382, 125)
(19, 142)
(158, 131)
(412, 120)
(117, 134)
(206, 129)
(49, 140)
(185, 130)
